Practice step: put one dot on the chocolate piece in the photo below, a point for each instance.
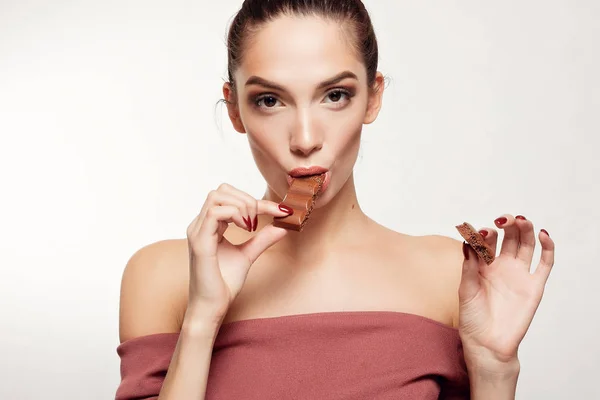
(477, 242)
(301, 197)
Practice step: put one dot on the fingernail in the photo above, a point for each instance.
(466, 250)
(484, 233)
(286, 209)
(501, 221)
(521, 217)
(247, 222)
(255, 223)
(546, 232)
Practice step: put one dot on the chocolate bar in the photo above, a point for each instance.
(300, 197)
(477, 242)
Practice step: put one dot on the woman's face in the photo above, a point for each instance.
(302, 98)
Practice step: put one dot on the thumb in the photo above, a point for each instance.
(469, 283)
(263, 239)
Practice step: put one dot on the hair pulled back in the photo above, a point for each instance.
(255, 13)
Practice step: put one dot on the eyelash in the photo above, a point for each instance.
(348, 93)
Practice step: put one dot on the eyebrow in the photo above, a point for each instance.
(256, 80)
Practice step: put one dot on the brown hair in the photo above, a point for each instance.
(254, 13)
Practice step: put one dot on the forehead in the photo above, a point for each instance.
(305, 49)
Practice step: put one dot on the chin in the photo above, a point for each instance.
(326, 197)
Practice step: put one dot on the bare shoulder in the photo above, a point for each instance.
(442, 251)
(443, 259)
(433, 264)
(154, 290)
(446, 250)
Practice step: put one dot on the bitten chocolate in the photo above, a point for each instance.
(301, 197)
(477, 242)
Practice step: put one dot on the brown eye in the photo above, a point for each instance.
(270, 101)
(335, 96)
(339, 97)
(266, 101)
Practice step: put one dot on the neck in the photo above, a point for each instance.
(336, 223)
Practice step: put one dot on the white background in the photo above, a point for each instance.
(111, 137)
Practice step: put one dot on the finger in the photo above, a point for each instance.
(527, 240)
(491, 237)
(271, 208)
(510, 242)
(268, 236)
(214, 225)
(469, 283)
(251, 206)
(193, 227)
(255, 207)
(224, 198)
(547, 258)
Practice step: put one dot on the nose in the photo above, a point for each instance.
(306, 137)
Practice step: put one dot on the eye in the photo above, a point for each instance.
(337, 95)
(266, 101)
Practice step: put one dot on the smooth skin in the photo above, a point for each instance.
(234, 265)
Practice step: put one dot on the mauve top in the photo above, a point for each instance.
(352, 355)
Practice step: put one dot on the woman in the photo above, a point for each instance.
(346, 308)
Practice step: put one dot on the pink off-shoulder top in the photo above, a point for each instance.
(351, 355)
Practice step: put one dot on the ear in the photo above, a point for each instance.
(232, 108)
(375, 99)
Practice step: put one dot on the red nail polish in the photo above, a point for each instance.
(255, 223)
(247, 222)
(286, 209)
(546, 232)
(466, 250)
(521, 217)
(484, 233)
(501, 221)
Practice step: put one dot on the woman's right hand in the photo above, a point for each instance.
(218, 269)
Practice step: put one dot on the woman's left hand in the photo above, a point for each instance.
(498, 301)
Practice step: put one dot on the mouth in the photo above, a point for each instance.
(311, 171)
(304, 172)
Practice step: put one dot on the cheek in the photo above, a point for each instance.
(265, 133)
(268, 143)
(260, 125)
(343, 129)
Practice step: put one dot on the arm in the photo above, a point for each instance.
(153, 300)
(498, 302)
(187, 286)
(188, 372)
(494, 383)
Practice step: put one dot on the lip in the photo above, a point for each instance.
(306, 171)
(290, 178)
